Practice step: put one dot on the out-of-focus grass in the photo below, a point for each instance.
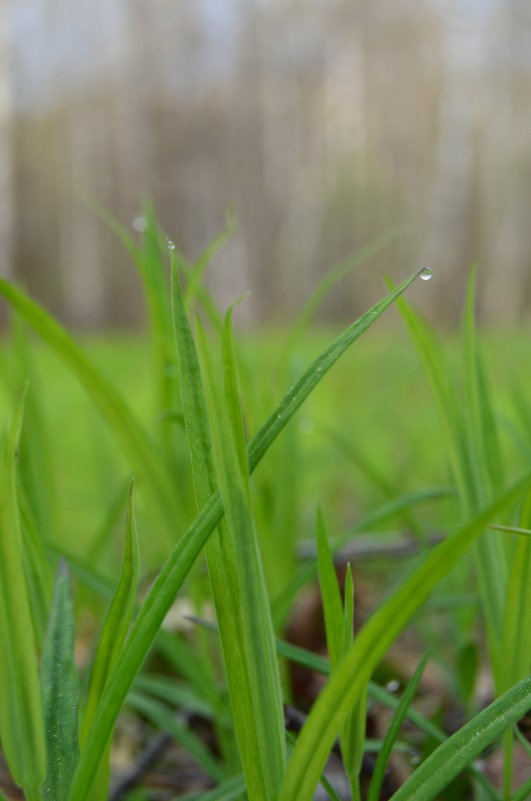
(377, 389)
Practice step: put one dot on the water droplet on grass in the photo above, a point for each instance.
(171, 244)
(426, 273)
(392, 686)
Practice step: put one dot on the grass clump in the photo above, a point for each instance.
(227, 537)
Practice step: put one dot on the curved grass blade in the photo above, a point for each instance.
(394, 729)
(176, 568)
(134, 440)
(300, 390)
(60, 692)
(371, 643)
(450, 758)
(21, 724)
(330, 594)
(523, 792)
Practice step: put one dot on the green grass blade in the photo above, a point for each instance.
(35, 568)
(516, 629)
(21, 724)
(134, 440)
(259, 722)
(60, 692)
(450, 758)
(300, 390)
(330, 594)
(193, 397)
(394, 729)
(118, 619)
(523, 793)
(176, 568)
(524, 532)
(371, 643)
(352, 735)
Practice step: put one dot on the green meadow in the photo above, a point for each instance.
(377, 474)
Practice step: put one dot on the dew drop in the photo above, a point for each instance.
(171, 244)
(392, 686)
(426, 273)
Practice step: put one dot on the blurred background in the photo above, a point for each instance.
(323, 124)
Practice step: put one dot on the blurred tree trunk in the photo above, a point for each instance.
(450, 241)
(507, 196)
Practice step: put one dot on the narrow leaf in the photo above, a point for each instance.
(21, 725)
(60, 692)
(450, 758)
(330, 594)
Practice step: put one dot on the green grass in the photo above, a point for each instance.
(233, 449)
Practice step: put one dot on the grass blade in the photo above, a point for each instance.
(176, 568)
(461, 748)
(60, 692)
(394, 729)
(300, 390)
(21, 725)
(330, 594)
(371, 643)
